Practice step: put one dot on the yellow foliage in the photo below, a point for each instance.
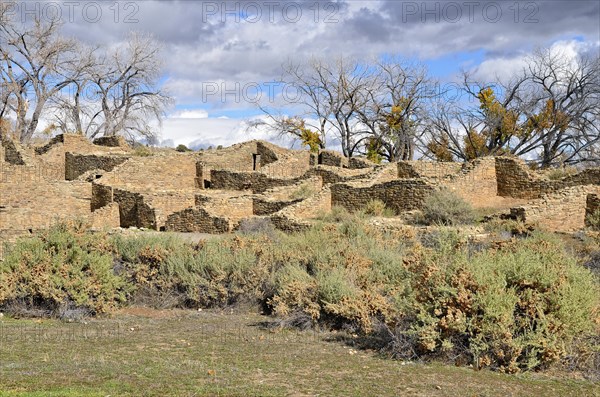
(395, 119)
(373, 149)
(548, 117)
(441, 150)
(310, 138)
(475, 145)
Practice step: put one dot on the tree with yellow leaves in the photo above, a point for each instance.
(549, 114)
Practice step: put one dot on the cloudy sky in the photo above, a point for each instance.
(216, 53)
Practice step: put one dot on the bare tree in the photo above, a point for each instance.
(89, 91)
(38, 60)
(331, 94)
(396, 107)
(548, 113)
(126, 82)
(563, 111)
(118, 94)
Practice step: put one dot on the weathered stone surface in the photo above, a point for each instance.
(214, 190)
(78, 164)
(197, 220)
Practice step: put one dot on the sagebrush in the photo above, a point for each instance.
(524, 306)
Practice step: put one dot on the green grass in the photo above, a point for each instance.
(213, 353)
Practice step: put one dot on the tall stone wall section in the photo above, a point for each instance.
(157, 172)
(133, 210)
(10, 153)
(475, 182)
(31, 202)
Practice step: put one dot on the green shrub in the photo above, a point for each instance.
(444, 207)
(378, 208)
(182, 148)
(338, 214)
(523, 306)
(143, 151)
(60, 269)
(514, 227)
(262, 226)
(593, 220)
(303, 192)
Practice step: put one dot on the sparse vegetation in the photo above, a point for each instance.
(303, 192)
(254, 226)
(444, 207)
(142, 151)
(378, 208)
(524, 306)
(560, 173)
(593, 220)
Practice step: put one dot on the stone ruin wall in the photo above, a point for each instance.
(563, 210)
(10, 153)
(197, 220)
(516, 180)
(399, 195)
(475, 182)
(78, 164)
(293, 218)
(166, 191)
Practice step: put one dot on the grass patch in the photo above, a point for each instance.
(303, 192)
(210, 353)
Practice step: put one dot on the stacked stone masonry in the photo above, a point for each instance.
(107, 185)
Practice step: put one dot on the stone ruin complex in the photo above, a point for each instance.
(108, 184)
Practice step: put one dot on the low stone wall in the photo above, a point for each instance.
(106, 217)
(78, 164)
(400, 195)
(254, 181)
(359, 163)
(111, 141)
(197, 220)
(295, 217)
(516, 180)
(262, 206)
(427, 169)
(331, 175)
(564, 210)
(332, 158)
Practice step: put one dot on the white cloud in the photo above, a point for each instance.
(190, 114)
(502, 68)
